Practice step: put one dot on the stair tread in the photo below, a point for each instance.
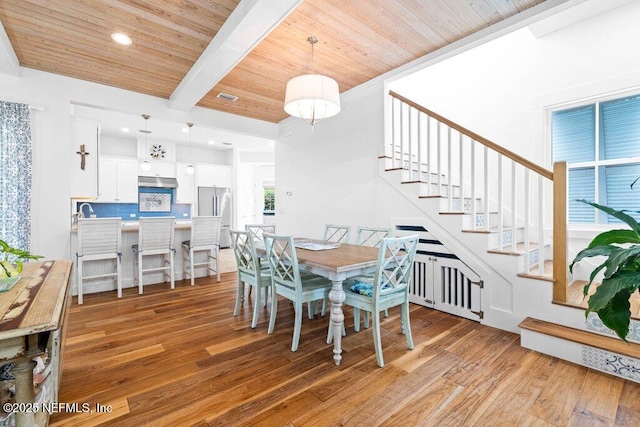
(491, 230)
(576, 298)
(519, 249)
(591, 339)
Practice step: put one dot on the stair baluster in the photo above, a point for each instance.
(480, 174)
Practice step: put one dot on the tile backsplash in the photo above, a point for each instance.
(130, 211)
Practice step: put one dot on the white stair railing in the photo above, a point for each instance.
(501, 191)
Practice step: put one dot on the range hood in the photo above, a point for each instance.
(157, 182)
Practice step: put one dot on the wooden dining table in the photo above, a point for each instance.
(337, 265)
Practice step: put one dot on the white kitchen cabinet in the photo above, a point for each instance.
(118, 180)
(159, 168)
(84, 134)
(213, 176)
(186, 189)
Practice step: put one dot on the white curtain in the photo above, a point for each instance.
(15, 174)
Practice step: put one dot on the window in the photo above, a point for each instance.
(269, 200)
(601, 144)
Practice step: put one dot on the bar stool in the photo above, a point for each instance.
(99, 239)
(155, 237)
(205, 237)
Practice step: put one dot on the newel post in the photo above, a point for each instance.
(560, 232)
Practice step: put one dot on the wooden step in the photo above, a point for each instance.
(533, 272)
(519, 249)
(577, 299)
(615, 345)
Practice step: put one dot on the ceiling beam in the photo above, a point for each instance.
(9, 63)
(248, 24)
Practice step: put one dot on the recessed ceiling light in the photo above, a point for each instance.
(125, 130)
(212, 142)
(121, 38)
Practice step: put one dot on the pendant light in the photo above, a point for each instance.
(312, 97)
(190, 168)
(145, 166)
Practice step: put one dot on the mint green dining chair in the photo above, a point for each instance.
(389, 287)
(371, 236)
(250, 272)
(287, 282)
(336, 233)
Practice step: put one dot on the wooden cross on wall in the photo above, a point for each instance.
(83, 154)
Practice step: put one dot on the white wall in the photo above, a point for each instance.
(53, 155)
(332, 171)
(499, 89)
(503, 89)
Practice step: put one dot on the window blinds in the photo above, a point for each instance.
(574, 135)
(621, 128)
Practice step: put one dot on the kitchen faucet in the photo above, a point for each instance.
(81, 213)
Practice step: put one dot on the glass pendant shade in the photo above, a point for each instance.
(191, 169)
(312, 97)
(145, 166)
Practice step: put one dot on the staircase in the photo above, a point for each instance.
(505, 218)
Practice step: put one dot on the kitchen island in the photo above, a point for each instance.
(130, 237)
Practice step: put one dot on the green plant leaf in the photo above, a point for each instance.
(620, 258)
(591, 252)
(615, 236)
(609, 288)
(630, 221)
(616, 314)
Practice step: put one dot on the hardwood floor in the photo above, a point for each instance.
(180, 357)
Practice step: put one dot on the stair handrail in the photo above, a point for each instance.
(478, 138)
(558, 177)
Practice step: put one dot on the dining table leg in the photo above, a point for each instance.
(337, 297)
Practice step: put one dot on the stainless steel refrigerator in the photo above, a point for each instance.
(216, 201)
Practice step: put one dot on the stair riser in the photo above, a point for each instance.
(466, 206)
(611, 363)
(480, 221)
(507, 238)
(415, 176)
(435, 190)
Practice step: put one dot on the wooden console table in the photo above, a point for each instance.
(33, 318)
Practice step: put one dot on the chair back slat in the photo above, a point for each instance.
(257, 230)
(205, 230)
(156, 233)
(395, 264)
(245, 252)
(370, 236)
(99, 235)
(337, 233)
(283, 260)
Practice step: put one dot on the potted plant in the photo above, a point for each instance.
(11, 260)
(621, 271)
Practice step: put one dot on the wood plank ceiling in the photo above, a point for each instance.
(358, 40)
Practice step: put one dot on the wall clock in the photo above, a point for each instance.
(157, 152)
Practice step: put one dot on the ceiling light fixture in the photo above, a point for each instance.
(190, 168)
(312, 97)
(145, 166)
(121, 38)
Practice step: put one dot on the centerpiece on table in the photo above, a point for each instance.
(11, 263)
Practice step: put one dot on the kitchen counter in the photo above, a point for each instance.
(129, 236)
(181, 224)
